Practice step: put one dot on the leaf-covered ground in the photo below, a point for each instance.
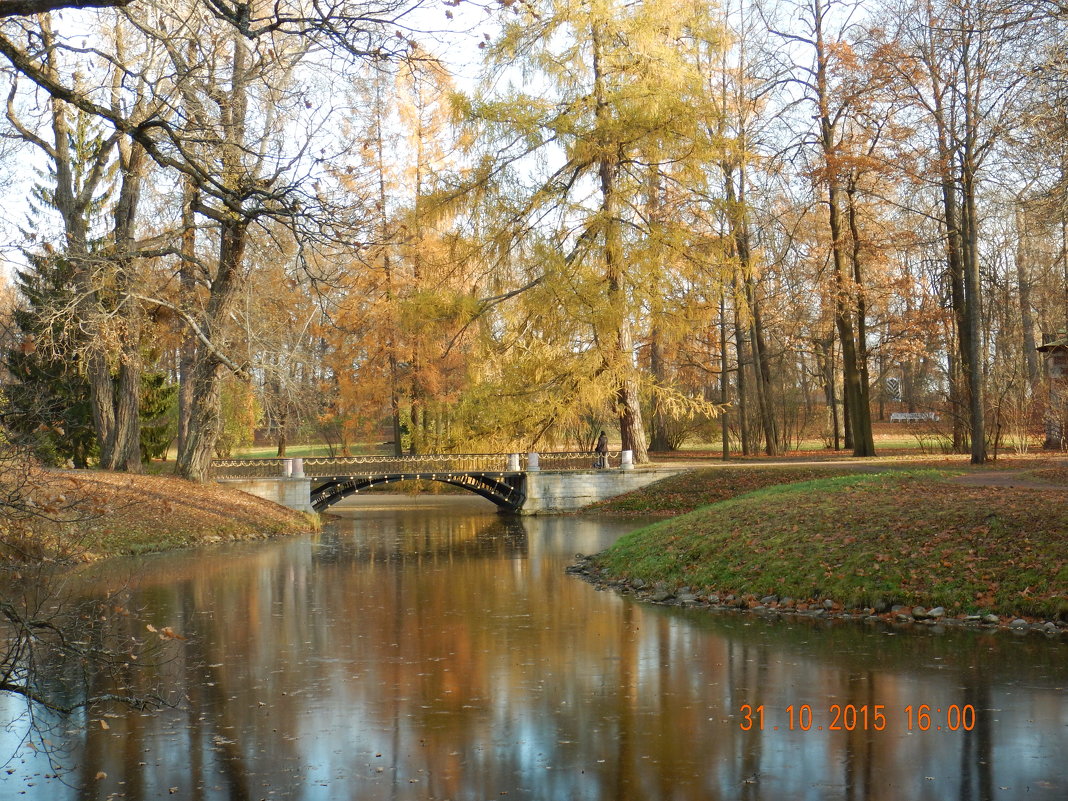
(907, 537)
(1055, 474)
(86, 514)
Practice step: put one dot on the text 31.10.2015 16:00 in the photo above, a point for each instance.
(849, 717)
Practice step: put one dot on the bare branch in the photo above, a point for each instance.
(25, 8)
(194, 326)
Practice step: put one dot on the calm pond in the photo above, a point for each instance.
(440, 651)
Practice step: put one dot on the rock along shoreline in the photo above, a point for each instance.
(774, 607)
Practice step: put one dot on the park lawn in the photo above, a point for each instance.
(908, 537)
(88, 514)
(688, 491)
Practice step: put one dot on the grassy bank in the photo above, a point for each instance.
(85, 515)
(686, 492)
(908, 537)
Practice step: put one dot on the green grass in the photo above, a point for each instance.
(905, 537)
(688, 491)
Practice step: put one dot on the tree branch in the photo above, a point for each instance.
(199, 333)
(24, 8)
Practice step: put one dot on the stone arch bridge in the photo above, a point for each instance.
(534, 483)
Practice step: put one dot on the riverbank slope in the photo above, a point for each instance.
(83, 515)
(862, 541)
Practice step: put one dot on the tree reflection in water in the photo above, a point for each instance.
(441, 652)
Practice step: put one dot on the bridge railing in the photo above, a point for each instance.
(248, 468)
(423, 463)
(339, 465)
(574, 460)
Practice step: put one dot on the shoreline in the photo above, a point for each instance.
(912, 546)
(772, 608)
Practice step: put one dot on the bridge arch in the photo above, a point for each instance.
(508, 492)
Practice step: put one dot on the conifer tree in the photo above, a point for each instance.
(615, 88)
(51, 395)
(48, 397)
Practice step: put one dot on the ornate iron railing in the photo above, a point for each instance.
(423, 463)
(248, 468)
(576, 460)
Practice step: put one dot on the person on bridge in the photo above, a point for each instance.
(602, 451)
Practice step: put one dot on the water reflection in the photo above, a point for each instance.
(442, 653)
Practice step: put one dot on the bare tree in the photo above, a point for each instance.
(961, 62)
(223, 115)
(832, 109)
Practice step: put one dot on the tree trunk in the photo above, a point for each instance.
(391, 346)
(194, 460)
(101, 399)
(762, 373)
(395, 390)
(739, 347)
(656, 367)
(127, 448)
(187, 352)
(735, 197)
(73, 201)
(825, 347)
(1027, 321)
(126, 445)
(955, 266)
(969, 239)
(621, 360)
(724, 380)
(847, 423)
(72, 204)
(954, 258)
(864, 439)
(857, 411)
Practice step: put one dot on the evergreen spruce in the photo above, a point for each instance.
(159, 415)
(48, 397)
